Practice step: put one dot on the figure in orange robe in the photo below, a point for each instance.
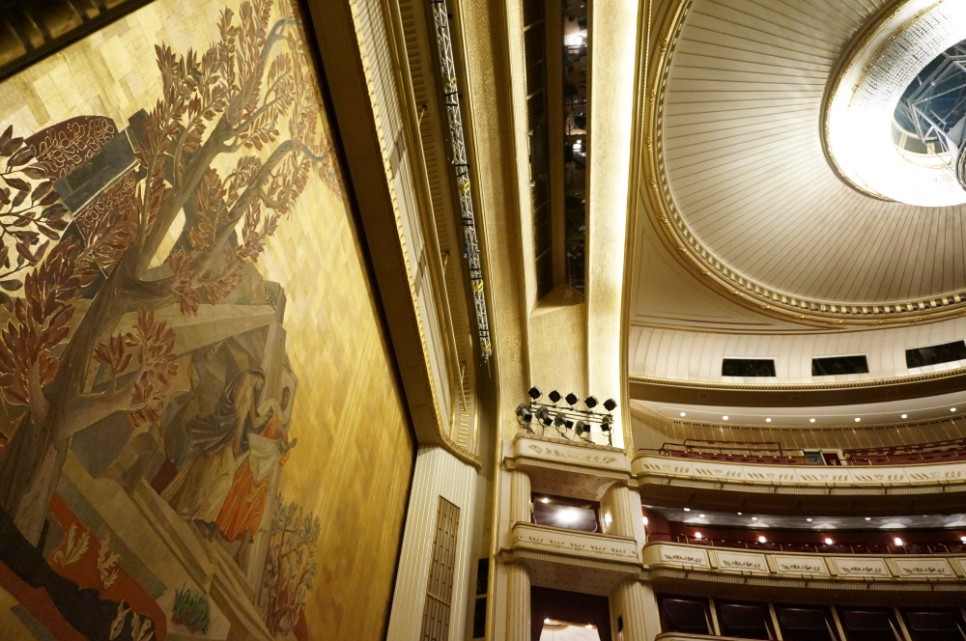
(244, 508)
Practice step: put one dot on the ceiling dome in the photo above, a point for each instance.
(754, 197)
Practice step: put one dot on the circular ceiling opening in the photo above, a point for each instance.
(928, 122)
(894, 114)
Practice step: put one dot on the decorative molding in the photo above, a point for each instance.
(657, 554)
(934, 568)
(585, 545)
(741, 561)
(580, 457)
(528, 450)
(869, 567)
(798, 565)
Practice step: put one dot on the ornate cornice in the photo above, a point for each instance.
(35, 30)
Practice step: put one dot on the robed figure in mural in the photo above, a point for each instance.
(200, 488)
(267, 448)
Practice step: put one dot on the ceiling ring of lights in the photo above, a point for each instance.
(860, 103)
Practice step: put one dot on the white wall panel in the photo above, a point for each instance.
(697, 356)
(437, 474)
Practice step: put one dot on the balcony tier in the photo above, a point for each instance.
(573, 560)
(829, 489)
(670, 562)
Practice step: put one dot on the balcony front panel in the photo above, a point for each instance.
(573, 560)
(663, 471)
(823, 571)
(567, 468)
(530, 537)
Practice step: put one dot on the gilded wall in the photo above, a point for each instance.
(195, 391)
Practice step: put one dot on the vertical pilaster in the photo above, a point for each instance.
(620, 504)
(520, 498)
(629, 604)
(518, 602)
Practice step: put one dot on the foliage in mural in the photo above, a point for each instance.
(191, 609)
(290, 566)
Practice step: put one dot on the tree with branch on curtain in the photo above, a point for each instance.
(230, 146)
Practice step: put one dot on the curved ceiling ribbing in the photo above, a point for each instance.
(746, 171)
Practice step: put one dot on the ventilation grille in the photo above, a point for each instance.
(439, 591)
(935, 354)
(748, 367)
(839, 365)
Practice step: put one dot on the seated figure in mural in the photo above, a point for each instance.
(267, 449)
(201, 486)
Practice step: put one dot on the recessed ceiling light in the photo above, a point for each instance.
(683, 414)
(811, 420)
(754, 518)
(724, 418)
(701, 516)
(739, 513)
(828, 541)
(868, 518)
(858, 420)
(768, 420)
(544, 500)
(687, 509)
(903, 416)
(809, 519)
(761, 539)
(952, 409)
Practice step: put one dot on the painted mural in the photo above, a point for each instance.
(162, 359)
